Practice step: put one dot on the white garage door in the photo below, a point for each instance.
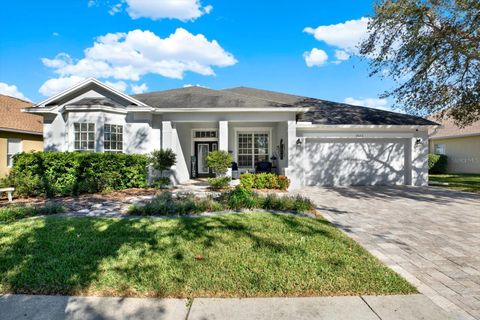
(355, 161)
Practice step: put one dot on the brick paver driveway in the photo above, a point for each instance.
(429, 235)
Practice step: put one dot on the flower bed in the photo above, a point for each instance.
(239, 198)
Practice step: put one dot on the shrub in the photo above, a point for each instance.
(272, 181)
(264, 181)
(16, 212)
(261, 180)
(165, 204)
(4, 183)
(302, 204)
(219, 183)
(160, 183)
(219, 161)
(437, 163)
(287, 203)
(283, 182)
(68, 173)
(241, 198)
(247, 180)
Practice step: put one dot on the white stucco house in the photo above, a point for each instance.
(312, 141)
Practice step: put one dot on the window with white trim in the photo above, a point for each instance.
(14, 146)
(113, 138)
(84, 136)
(205, 134)
(439, 148)
(252, 148)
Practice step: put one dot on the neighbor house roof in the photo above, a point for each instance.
(333, 113)
(13, 119)
(448, 128)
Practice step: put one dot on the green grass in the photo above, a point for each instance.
(259, 254)
(16, 212)
(461, 182)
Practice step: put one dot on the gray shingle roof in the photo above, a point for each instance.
(199, 97)
(320, 111)
(334, 113)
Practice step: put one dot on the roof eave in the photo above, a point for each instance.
(309, 125)
(86, 82)
(21, 131)
(278, 109)
(465, 135)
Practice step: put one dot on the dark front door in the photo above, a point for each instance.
(201, 152)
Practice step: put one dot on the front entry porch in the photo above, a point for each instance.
(250, 143)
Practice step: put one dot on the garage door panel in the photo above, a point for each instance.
(355, 161)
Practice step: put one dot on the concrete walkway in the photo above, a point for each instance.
(431, 236)
(412, 307)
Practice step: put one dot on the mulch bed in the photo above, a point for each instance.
(86, 200)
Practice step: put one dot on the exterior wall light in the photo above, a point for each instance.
(299, 141)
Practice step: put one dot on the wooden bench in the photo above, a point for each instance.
(8, 191)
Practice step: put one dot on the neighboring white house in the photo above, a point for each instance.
(313, 142)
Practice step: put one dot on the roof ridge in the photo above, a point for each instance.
(256, 97)
(174, 89)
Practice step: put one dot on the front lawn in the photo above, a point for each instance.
(241, 255)
(461, 182)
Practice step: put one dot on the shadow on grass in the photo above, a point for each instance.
(72, 256)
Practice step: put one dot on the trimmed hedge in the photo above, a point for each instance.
(264, 181)
(437, 163)
(71, 173)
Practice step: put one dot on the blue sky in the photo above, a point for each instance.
(155, 45)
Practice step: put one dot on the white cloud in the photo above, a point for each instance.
(208, 8)
(115, 9)
(183, 10)
(55, 34)
(119, 85)
(316, 57)
(91, 3)
(346, 35)
(193, 85)
(137, 89)
(54, 86)
(341, 55)
(368, 102)
(129, 56)
(61, 60)
(11, 90)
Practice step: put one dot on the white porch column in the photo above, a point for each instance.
(223, 140)
(291, 142)
(223, 135)
(167, 135)
(294, 171)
